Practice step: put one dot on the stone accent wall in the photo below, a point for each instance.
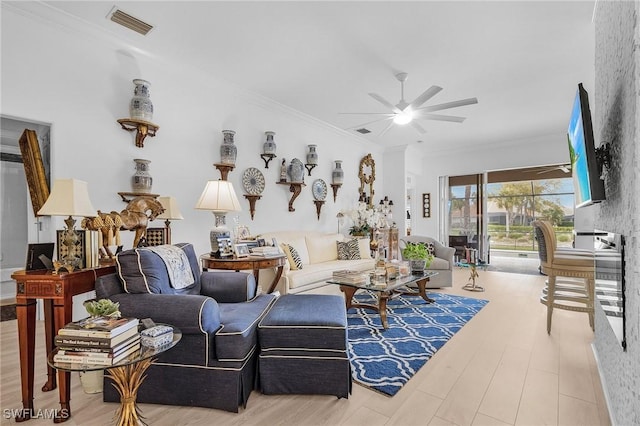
(616, 117)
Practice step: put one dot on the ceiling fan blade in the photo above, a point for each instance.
(390, 114)
(428, 94)
(386, 129)
(448, 105)
(440, 117)
(384, 102)
(369, 122)
(418, 127)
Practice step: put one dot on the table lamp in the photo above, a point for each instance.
(219, 197)
(171, 212)
(69, 197)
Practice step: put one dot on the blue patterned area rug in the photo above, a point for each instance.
(384, 360)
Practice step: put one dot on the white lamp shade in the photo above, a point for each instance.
(171, 210)
(219, 196)
(69, 197)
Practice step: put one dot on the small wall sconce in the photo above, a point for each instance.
(140, 113)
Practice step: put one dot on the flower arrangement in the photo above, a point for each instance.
(364, 218)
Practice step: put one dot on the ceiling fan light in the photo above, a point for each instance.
(403, 117)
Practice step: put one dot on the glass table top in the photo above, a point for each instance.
(387, 285)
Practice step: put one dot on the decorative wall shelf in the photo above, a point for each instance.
(141, 127)
(335, 187)
(267, 158)
(309, 167)
(296, 189)
(224, 169)
(318, 204)
(128, 196)
(252, 202)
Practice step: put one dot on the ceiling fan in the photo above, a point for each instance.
(406, 113)
(540, 170)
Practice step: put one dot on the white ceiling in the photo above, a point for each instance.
(523, 60)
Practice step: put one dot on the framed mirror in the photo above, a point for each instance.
(34, 169)
(367, 175)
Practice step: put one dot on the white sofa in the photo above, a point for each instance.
(319, 254)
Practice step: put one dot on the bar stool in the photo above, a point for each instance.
(576, 295)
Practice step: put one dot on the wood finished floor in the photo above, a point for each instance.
(501, 369)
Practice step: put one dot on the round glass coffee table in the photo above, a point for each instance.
(127, 375)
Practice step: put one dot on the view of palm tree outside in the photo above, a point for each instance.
(511, 208)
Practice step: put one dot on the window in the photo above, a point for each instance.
(499, 213)
(512, 206)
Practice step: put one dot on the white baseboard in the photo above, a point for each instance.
(604, 386)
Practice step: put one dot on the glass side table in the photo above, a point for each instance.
(127, 375)
(472, 285)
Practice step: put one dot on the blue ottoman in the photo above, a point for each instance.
(303, 346)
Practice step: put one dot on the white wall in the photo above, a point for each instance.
(616, 118)
(80, 81)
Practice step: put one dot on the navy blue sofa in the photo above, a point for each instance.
(214, 365)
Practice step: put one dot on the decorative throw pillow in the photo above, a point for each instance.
(431, 248)
(294, 258)
(348, 250)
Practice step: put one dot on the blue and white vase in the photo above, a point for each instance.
(140, 107)
(269, 147)
(141, 181)
(337, 176)
(228, 151)
(296, 171)
(312, 155)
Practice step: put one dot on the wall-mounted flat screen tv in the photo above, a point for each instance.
(588, 187)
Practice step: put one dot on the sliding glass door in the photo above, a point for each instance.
(494, 210)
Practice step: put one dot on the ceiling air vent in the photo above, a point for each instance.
(363, 131)
(128, 21)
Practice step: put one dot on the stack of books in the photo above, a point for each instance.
(266, 251)
(97, 340)
(347, 276)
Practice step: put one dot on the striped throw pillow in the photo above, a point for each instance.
(294, 258)
(348, 250)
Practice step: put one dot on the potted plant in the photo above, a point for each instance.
(418, 256)
(92, 381)
(102, 308)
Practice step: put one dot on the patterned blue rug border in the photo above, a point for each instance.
(385, 360)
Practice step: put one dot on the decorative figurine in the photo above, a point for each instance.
(283, 171)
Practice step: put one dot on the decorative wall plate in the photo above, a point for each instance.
(319, 189)
(253, 181)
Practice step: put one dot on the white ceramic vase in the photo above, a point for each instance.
(228, 151)
(141, 181)
(140, 106)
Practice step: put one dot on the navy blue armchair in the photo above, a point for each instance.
(214, 365)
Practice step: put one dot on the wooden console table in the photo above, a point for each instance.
(57, 292)
(254, 263)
